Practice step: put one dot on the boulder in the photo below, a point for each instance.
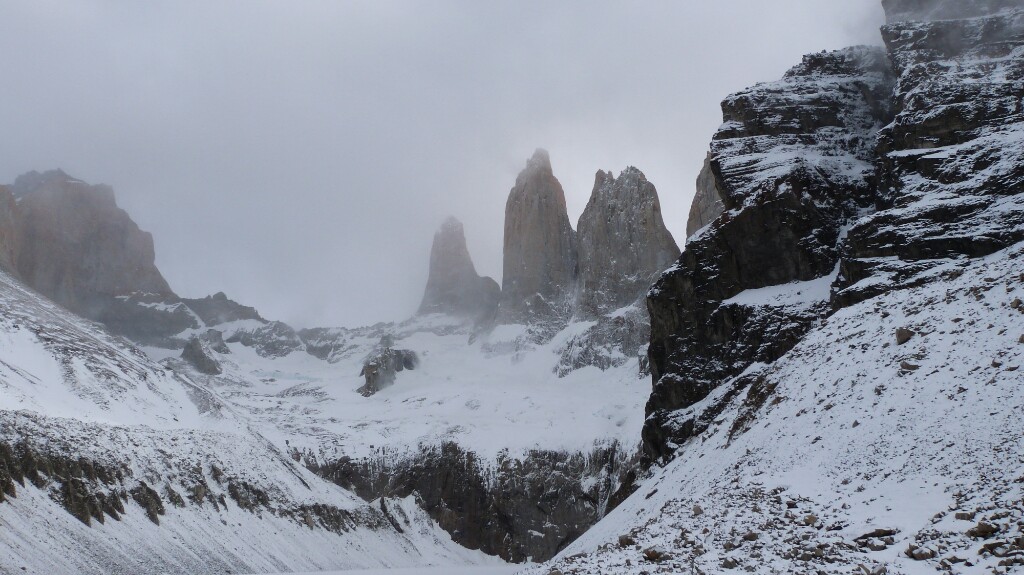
(199, 356)
(381, 367)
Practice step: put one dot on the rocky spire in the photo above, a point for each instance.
(539, 256)
(453, 286)
(707, 204)
(623, 243)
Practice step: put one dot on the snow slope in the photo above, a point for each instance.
(111, 463)
(851, 449)
(491, 395)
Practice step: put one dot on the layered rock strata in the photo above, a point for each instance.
(793, 162)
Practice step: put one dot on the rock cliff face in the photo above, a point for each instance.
(798, 161)
(75, 246)
(793, 162)
(930, 10)
(952, 161)
(623, 243)
(707, 204)
(524, 508)
(539, 268)
(453, 286)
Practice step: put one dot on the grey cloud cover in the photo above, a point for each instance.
(300, 155)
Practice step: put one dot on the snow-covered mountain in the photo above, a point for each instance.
(112, 463)
(835, 360)
(508, 437)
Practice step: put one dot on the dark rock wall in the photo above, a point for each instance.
(951, 163)
(520, 509)
(923, 164)
(793, 162)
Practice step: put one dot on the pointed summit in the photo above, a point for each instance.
(540, 254)
(453, 286)
(623, 242)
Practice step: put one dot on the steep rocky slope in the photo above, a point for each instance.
(793, 162)
(851, 450)
(952, 161)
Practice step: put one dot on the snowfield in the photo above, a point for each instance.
(111, 463)
(850, 450)
(492, 395)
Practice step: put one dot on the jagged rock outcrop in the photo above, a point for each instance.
(952, 161)
(929, 10)
(539, 268)
(272, 339)
(793, 162)
(526, 508)
(622, 241)
(453, 286)
(199, 355)
(383, 365)
(707, 203)
(217, 309)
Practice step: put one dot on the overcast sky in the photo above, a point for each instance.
(299, 155)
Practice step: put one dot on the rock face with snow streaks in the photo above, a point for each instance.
(453, 286)
(623, 243)
(792, 162)
(952, 161)
(539, 268)
(931, 10)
